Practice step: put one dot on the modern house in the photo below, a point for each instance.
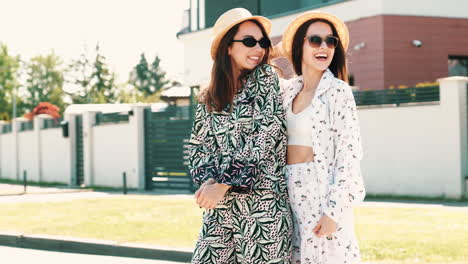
(176, 95)
(393, 42)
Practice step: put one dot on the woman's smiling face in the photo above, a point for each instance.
(317, 58)
(243, 57)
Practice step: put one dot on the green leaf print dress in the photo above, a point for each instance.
(246, 149)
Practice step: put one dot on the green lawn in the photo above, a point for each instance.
(413, 235)
(387, 235)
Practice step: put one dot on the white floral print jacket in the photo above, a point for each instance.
(336, 142)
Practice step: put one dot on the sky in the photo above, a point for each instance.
(123, 28)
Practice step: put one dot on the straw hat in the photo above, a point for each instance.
(231, 18)
(288, 36)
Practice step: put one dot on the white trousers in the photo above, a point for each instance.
(308, 195)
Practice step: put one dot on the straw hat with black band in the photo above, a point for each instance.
(231, 18)
(288, 36)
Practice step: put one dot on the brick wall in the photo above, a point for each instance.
(389, 57)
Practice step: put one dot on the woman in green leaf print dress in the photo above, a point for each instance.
(238, 149)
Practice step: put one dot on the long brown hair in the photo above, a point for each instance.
(223, 86)
(338, 65)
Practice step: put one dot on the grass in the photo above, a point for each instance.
(387, 235)
(412, 235)
(139, 219)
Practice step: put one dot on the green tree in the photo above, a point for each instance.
(158, 76)
(148, 79)
(103, 87)
(79, 78)
(140, 76)
(45, 80)
(93, 81)
(9, 66)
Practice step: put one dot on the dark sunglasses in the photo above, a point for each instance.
(316, 41)
(251, 42)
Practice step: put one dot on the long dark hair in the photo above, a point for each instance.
(223, 86)
(338, 64)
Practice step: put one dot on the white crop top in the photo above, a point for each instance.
(299, 128)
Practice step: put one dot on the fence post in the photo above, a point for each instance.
(124, 178)
(70, 118)
(454, 104)
(16, 164)
(138, 125)
(7, 155)
(38, 123)
(89, 119)
(25, 180)
(1, 152)
(193, 99)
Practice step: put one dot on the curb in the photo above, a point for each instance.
(95, 247)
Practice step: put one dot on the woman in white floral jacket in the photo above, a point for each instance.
(324, 146)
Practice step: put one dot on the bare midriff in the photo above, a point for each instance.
(299, 154)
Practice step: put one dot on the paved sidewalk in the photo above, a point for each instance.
(96, 247)
(28, 256)
(54, 194)
(13, 193)
(415, 204)
(18, 189)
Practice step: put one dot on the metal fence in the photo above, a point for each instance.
(26, 126)
(166, 139)
(52, 123)
(112, 118)
(79, 151)
(8, 128)
(398, 96)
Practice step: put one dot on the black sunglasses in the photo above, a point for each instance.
(251, 42)
(315, 41)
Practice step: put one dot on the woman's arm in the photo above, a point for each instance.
(206, 159)
(347, 189)
(278, 51)
(242, 174)
(202, 165)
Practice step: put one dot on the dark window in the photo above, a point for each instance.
(275, 7)
(458, 65)
(214, 8)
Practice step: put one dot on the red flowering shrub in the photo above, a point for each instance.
(44, 108)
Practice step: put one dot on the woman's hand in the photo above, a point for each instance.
(197, 193)
(325, 227)
(210, 194)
